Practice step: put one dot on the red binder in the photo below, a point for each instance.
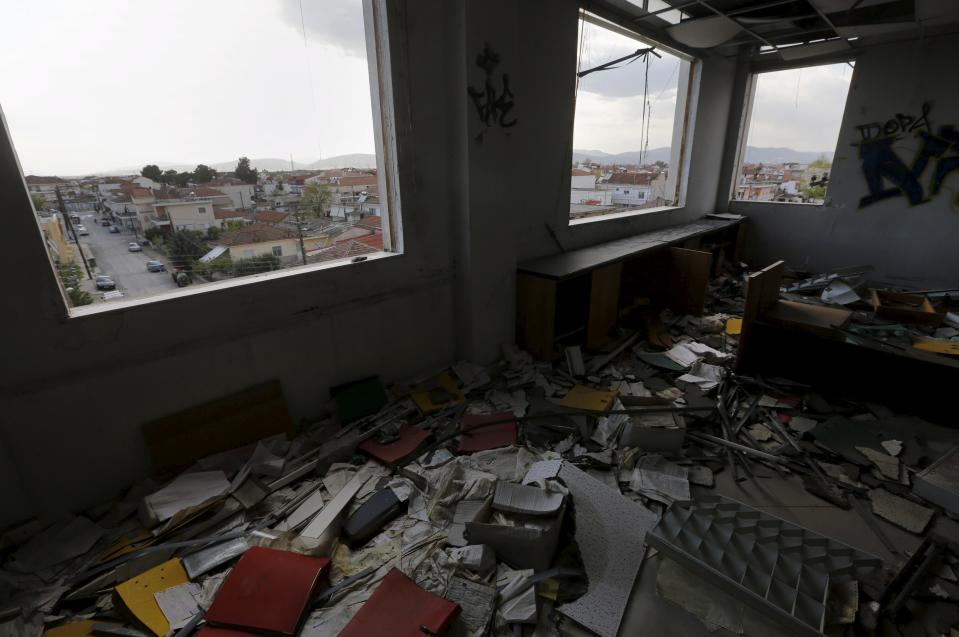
(267, 592)
(492, 437)
(400, 608)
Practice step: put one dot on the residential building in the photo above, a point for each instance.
(190, 214)
(259, 239)
(61, 248)
(240, 193)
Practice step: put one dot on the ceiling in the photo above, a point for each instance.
(791, 29)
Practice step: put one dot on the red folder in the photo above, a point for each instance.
(492, 437)
(267, 592)
(410, 438)
(400, 608)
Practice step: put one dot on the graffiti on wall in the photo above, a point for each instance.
(492, 104)
(888, 176)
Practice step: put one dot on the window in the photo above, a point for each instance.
(786, 150)
(107, 158)
(629, 127)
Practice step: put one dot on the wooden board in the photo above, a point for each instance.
(535, 314)
(688, 280)
(570, 263)
(603, 303)
(762, 290)
(817, 319)
(226, 423)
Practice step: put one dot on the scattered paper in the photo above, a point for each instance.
(892, 447)
(659, 479)
(178, 604)
(186, 491)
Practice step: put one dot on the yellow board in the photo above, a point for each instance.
(734, 326)
(936, 346)
(137, 594)
(444, 382)
(580, 397)
(75, 629)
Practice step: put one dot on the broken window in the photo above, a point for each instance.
(792, 128)
(629, 128)
(205, 173)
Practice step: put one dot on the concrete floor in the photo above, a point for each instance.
(128, 269)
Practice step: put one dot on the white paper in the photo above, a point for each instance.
(178, 605)
(659, 479)
(186, 491)
(543, 470)
(318, 526)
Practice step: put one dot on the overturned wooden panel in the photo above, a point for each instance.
(688, 280)
(226, 423)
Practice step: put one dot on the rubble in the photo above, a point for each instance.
(489, 500)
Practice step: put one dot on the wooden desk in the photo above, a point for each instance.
(585, 285)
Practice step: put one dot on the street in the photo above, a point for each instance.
(127, 269)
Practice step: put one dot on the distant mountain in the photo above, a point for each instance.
(754, 155)
(268, 164)
(780, 155)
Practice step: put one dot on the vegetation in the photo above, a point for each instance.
(232, 225)
(220, 265)
(70, 276)
(184, 247)
(256, 265)
(154, 235)
(152, 171)
(39, 201)
(316, 198)
(814, 192)
(213, 233)
(821, 162)
(203, 174)
(243, 171)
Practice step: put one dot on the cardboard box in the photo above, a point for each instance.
(905, 308)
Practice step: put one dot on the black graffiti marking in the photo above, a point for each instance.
(899, 124)
(492, 106)
(881, 164)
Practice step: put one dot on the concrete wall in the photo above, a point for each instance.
(909, 246)
(75, 391)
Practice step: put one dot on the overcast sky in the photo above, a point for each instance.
(95, 86)
(799, 109)
(609, 104)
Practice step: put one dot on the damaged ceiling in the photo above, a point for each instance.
(792, 29)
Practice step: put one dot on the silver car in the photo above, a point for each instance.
(133, 246)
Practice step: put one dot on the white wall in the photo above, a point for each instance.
(909, 246)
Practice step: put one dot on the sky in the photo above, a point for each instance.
(105, 84)
(800, 108)
(609, 104)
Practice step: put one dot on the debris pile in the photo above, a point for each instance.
(517, 499)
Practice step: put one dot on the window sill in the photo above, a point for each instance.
(778, 203)
(626, 214)
(219, 286)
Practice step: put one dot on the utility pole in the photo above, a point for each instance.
(299, 231)
(76, 239)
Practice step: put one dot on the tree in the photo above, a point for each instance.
(661, 164)
(203, 174)
(243, 171)
(154, 234)
(316, 199)
(182, 180)
(256, 265)
(817, 192)
(821, 162)
(70, 276)
(152, 171)
(38, 201)
(213, 233)
(185, 247)
(79, 297)
(168, 177)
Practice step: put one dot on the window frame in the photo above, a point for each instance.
(389, 123)
(688, 80)
(745, 120)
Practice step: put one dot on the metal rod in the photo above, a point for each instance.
(729, 443)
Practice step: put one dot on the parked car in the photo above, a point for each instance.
(105, 223)
(105, 283)
(82, 231)
(155, 266)
(181, 278)
(133, 246)
(114, 230)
